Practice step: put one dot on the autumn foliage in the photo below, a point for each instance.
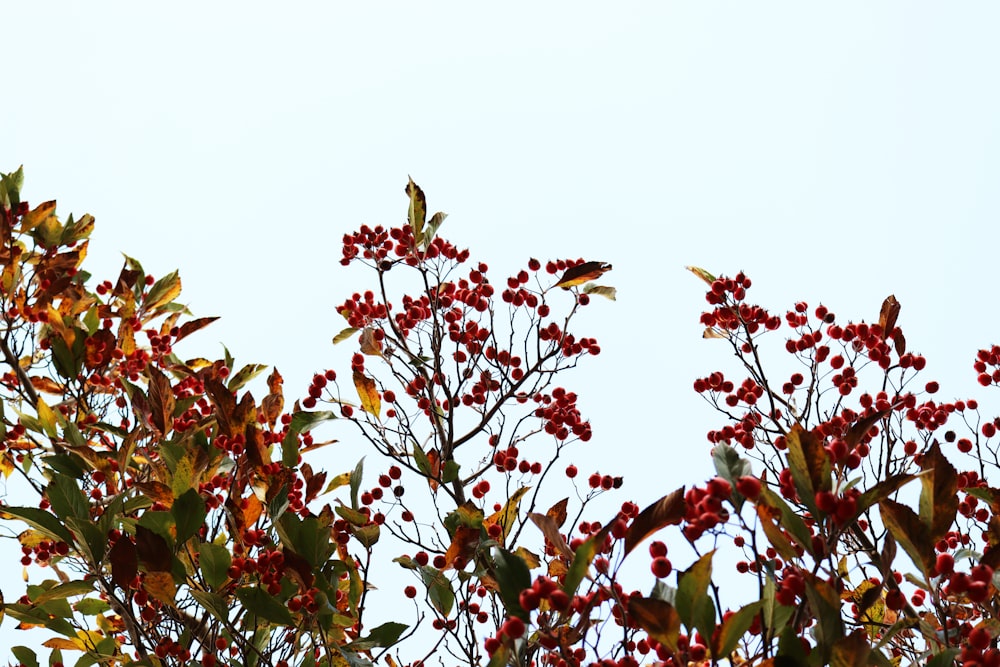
(168, 517)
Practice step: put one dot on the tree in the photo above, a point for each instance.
(177, 522)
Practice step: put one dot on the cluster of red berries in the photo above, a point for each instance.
(560, 415)
(309, 602)
(319, 382)
(42, 552)
(841, 507)
(704, 508)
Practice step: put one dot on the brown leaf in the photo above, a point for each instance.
(47, 385)
(371, 402)
(191, 326)
(558, 512)
(909, 532)
(887, 316)
(161, 400)
(369, 344)
(297, 568)
(124, 562)
(582, 273)
(152, 550)
(550, 529)
(157, 492)
(658, 618)
(939, 493)
(668, 510)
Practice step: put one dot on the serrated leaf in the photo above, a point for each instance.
(245, 375)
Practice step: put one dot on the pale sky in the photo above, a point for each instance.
(836, 153)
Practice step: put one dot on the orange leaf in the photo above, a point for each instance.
(558, 512)
(582, 273)
(463, 547)
(47, 385)
(63, 644)
(157, 492)
(371, 402)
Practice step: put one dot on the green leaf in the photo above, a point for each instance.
(159, 523)
(215, 561)
(582, 559)
(66, 590)
(825, 605)
(244, 375)
(450, 473)
(25, 656)
(367, 535)
(513, 576)
(66, 498)
(734, 628)
(91, 606)
(356, 478)
(945, 658)
(695, 607)
(163, 291)
(258, 602)
(213, 603)
(43, 522)
(383, 636)
(189, 514)
(789, 520)
(909, 532)
(438, 589)
(728, 463)
(810, 465)
(93, 542)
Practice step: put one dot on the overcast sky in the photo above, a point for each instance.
(834, 152)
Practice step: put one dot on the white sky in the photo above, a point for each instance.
(833, 153)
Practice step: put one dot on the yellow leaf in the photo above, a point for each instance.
(31, 538)
(126, 337)
(161, 586)
(38, 215)
(6, 465)
(340, 480)
(368, 393)
(64, 644)
(508, 514)
(530, 559)
(46, 417)
(157, 492)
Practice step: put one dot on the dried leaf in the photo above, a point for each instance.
(558, 512)
(161, 586)
(887, 316)
(550, 529)
(369, 344)
(582, 273)
(601, 290)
